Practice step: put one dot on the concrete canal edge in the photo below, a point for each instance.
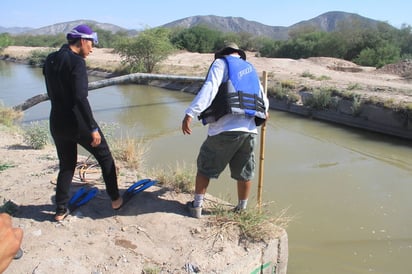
(272, 258)
(370, 117)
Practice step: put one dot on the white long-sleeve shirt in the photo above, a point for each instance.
(218, 73)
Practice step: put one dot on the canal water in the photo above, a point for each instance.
(347, 190)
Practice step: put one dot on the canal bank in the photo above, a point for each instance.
(348, 112)
(152, 232)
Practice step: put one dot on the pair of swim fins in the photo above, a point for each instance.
(86, 194)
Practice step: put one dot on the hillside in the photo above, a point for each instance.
(328, 21)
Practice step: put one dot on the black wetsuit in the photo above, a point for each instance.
(72, 122)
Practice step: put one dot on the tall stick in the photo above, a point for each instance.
(262, 150)
(124, 79)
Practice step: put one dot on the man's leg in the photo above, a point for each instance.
(243, 192)
(202, 182)
(67, 153)
(106, 161)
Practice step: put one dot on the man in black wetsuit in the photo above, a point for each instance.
(71, 117)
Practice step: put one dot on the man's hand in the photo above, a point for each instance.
(10, 241)
(186, 125)
(96, 138)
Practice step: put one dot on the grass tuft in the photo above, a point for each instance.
(253, 225)
(130, 151)
(9, 116)
(179, 178)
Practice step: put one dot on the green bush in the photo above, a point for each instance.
(321, 99)
(37, 57)
(356, 106)
(36, 135)
(283, 91)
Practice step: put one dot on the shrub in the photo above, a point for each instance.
(356, 105)
(308, 74)
(353, 86)
(37, 57)
(9, 116)
(321, 99)
(36, 135)
(4, 166)
(283, 91)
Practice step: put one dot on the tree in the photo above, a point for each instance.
(378, 56)
(197, 39)
(5, 40)
(107, 39)
(144, 52)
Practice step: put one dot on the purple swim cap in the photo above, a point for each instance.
(84, 32)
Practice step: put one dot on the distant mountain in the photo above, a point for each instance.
(231, 24)
(66, 27)
(329, 22)
(14, 30)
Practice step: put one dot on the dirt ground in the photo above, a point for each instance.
(150, 234)
(153, 232)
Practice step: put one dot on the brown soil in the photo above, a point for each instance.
(152, 232)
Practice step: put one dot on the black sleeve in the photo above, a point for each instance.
(80, 84)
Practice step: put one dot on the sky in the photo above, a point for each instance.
(138, 14)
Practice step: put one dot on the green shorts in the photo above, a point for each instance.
(233, 148)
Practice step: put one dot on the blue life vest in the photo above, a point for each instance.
(240, 95)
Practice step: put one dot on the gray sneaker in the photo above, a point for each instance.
(238, 209)
(195, 212)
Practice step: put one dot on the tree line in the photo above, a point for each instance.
(364, 46)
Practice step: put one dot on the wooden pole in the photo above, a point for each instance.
(262, 150)
(124, 79)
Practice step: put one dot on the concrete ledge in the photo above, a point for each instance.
(369, 117)
(272, 258)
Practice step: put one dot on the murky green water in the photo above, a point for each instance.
(347, 190)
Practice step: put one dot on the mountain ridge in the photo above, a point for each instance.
(328, 22)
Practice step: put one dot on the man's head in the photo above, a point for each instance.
(82, 32)
(230, 48)
(81, 40)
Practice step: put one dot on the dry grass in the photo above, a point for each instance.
(179, 178)
(130, 151)
(9, 116)
(252, 225)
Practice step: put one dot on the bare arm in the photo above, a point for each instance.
(10, 241)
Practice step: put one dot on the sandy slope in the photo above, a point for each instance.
(152, 231)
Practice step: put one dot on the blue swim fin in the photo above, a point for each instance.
(135, 188)
(82, 197)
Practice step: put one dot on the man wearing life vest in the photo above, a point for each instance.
(232, 103)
